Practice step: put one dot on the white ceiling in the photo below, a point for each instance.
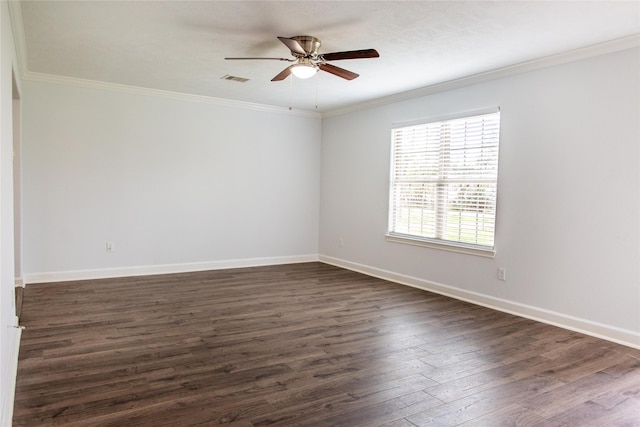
(179, 46)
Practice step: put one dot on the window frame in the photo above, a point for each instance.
(438, 243)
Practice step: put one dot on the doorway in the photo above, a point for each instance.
(17, 195)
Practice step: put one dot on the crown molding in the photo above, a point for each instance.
(15, 12)
(137, 90)
(624, 43)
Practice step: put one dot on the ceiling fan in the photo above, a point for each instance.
(307, 61)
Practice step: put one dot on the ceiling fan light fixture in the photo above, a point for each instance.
(304, 69)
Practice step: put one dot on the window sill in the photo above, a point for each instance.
(451, 247)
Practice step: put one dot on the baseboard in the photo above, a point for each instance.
(599, 330)
(595, 329)
(64, 276)
(7, 392)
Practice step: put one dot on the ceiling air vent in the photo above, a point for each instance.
(234, 78)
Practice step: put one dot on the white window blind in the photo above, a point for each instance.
(444, 179)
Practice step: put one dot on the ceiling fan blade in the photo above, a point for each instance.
(340, 72)
(283, 74)
(270, 59)
(293, 45)
(350, 54)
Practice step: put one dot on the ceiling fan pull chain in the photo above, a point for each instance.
(317, 84)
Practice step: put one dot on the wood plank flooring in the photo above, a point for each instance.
(304, 345)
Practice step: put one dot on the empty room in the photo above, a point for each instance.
(320, 213)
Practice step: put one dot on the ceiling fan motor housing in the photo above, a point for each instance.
(310, 44)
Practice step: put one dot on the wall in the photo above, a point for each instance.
(174, 184)
(9, 333)
(568, 196)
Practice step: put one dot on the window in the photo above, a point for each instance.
(444, 177)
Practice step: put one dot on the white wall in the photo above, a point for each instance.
(9, 334)
(170, 182)
(568, 201)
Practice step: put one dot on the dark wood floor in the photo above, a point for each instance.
(304, 344)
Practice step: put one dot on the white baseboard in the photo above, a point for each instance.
(595, 329)
(19, 282)
(106, 273)
(599, 330)
(7, 392)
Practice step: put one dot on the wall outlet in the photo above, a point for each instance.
(340, 242)
(502, 273)
(110, 247)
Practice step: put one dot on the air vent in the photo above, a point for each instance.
(234, 78)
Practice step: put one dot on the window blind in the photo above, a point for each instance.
(444, 179)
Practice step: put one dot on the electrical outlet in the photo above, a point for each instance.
(110, 247)
(502, 273)
(340, 242)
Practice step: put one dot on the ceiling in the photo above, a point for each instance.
(179, 46)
